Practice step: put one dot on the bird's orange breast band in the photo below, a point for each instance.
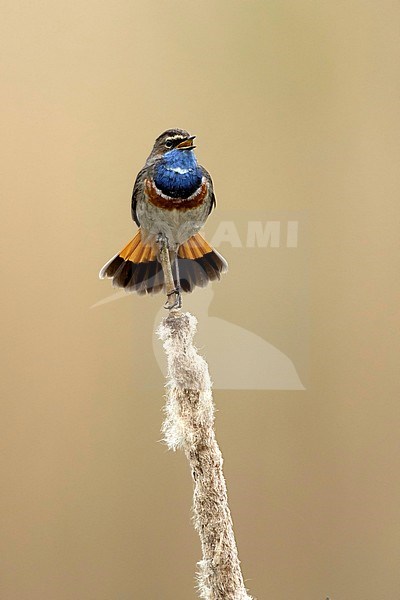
(157, 199)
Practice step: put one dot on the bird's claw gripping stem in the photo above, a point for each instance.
(178, 299)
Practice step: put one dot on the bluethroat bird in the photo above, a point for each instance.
(171, 200)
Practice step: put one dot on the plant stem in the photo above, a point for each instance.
(189, 425)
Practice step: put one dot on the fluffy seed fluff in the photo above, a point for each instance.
(189, 426)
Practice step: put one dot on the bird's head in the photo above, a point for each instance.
(172, 139)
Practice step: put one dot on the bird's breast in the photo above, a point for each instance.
(158, 198)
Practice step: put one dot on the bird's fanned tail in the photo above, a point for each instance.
(137, 268)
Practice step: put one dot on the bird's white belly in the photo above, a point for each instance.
(177, 225)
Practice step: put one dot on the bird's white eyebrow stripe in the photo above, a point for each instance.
(176, 137)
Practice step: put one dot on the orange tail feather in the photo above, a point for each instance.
(135, 268)
(199, 263)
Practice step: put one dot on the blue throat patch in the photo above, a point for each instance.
(178, 174)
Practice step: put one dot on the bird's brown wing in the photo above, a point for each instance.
(137, 190)
(207, 176)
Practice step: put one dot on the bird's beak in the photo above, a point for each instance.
(187, 144)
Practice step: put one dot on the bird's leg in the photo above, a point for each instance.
(178, 284)
(171, 289)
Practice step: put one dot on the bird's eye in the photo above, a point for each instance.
(168, 144)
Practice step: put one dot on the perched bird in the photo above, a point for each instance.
(172, 198)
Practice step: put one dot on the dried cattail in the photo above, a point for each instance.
(189, 426)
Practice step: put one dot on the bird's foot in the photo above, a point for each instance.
(178, 299)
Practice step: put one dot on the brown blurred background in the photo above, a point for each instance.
(295, 105)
